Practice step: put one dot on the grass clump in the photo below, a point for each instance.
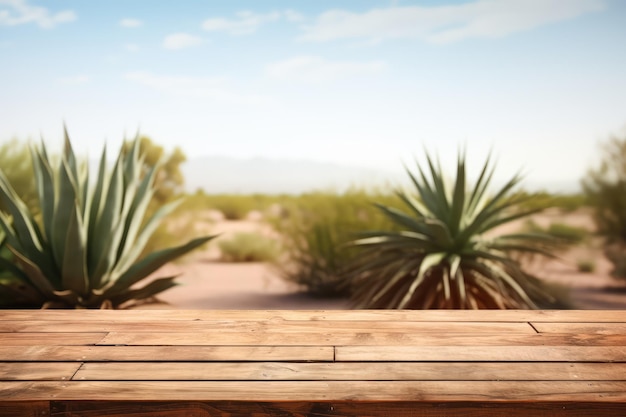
(248, 247)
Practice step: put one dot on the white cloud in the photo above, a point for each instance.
(293, 16)
(213, 88)
(316, 69)
(181, 40)
(444, 24)
(75, 80)
(247, 22)
(130, 23)
(19, 12)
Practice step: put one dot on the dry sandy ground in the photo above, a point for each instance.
(206, 283)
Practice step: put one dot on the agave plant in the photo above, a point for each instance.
(447, 254)
(84, 250)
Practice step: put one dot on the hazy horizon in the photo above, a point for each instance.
(357, 84)
(225, 174)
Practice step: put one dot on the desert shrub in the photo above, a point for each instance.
(564, 235)
(605, 186)
(543, 200)
(315, 232)
(441, 257)
(8, 272)
(16, 164)
(586, 265)
(86, 250)
(570, 202)
(236, 206)
(571, 234)
(248, 247)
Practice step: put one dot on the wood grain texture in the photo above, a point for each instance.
(585, 328)
(440, 391)
(64, 339)
(358, 338)
(42, 371)
(332, 409)
(561, 316)
(353, 371)
(24, 409)
(165, 353)
(505, 353)
(283, 326)
(313, 363)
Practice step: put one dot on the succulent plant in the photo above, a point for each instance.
(448, 253)
(83, 249)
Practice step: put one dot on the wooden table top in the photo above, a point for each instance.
(487, 357)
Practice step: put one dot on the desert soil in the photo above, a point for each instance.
(207, 283)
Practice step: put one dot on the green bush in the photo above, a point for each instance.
(315, 232)
(85, 251)
(570, 234)
(605, 186)
(586, 265)
(236, 206)
(16, 164)
(564, 235)
(543, 200)
(441, 257)
(248, 247)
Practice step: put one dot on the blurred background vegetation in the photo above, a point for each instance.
(313, 230)
(605, 187)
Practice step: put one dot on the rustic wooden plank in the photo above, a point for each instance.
(578, 328)
(363, 338)
(42, 371)
(576, 365)
(314, 353)
(561, 353)
(573, 316)
(333, 409)
(377, 371)
(24, 408)
(169, 353)
(27, 339)
(203, 326)
(448, 391)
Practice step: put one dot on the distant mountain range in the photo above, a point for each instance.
(219, 174)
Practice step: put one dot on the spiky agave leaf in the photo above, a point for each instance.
(85, 252)
(444, 256)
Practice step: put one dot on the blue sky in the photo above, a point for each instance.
(363, 83)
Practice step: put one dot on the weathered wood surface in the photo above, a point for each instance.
(312, 363)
